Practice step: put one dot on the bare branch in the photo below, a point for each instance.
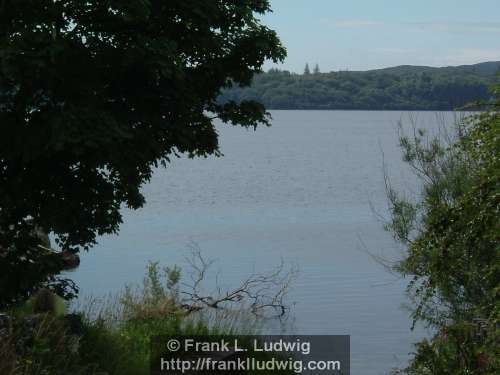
(262, 293)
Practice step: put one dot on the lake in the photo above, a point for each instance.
(303, 190)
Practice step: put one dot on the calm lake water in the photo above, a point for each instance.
(303, 190)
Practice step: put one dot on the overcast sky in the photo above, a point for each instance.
(368, 34)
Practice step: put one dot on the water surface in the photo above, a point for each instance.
(303, 190)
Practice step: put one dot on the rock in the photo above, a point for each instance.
(69, 260)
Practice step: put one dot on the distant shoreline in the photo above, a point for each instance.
(403, 88)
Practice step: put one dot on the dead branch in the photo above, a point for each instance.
(262, 293)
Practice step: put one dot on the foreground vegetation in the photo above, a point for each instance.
(111, 337)
(451, 234)
(402, 88)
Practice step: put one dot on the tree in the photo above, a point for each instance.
(452, 245)
(394, 88)
(316, 69)
(93, 96)
(307, 71)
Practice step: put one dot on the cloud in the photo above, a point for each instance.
(443, 57)
(481, 27)
(471, 56)
(395, 50)
(351, 23)
(439, 26)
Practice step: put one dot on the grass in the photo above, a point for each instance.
(115, 332)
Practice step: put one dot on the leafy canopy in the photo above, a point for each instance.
(96, 93)
(452, 238)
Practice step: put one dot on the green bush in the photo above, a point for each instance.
(115, 333)
(452, 240)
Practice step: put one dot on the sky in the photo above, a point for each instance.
(371, 34)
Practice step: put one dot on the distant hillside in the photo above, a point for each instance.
(403, 87)
(489, 68)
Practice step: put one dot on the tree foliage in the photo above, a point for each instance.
(452, 237)
(94, 95)
(307, 71)
(401, 88)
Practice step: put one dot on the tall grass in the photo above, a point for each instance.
(116, 330)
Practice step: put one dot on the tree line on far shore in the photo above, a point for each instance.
(398, 88)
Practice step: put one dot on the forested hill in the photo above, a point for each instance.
(403, 87)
